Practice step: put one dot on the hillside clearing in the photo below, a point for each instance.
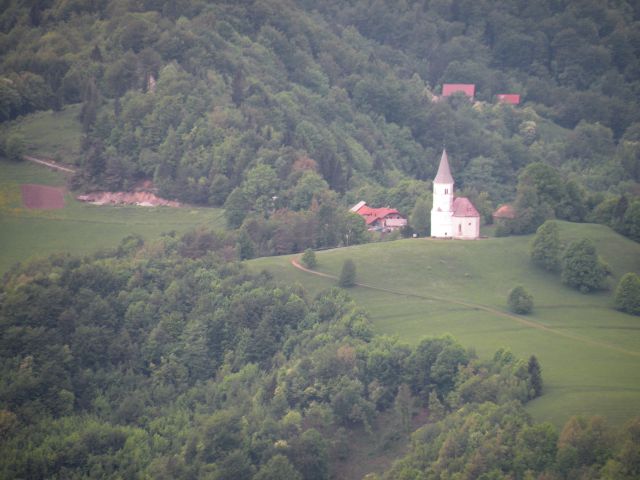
(78, 228)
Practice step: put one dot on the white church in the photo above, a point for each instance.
(451, 217)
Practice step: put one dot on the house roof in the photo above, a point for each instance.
(512, 98)
(372, 214)
(469, 89)
(462, 207)
(444, 172)
(505, 211)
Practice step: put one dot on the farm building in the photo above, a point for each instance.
(383, 219)
(451, 217)
(469, 89)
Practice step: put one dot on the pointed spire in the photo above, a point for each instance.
(444, 172)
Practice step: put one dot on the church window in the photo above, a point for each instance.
(459, 228)
(446, 191)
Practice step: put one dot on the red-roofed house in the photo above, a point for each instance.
(511, 98)
(451, 217)
(385, 219)
(469, 89)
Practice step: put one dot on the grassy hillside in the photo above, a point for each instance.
(50, 134)
(78, 228)
(589, 352)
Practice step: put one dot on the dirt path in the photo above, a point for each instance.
(48, 163)
(484, 308)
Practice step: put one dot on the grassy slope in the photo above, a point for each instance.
(78, 228)
(589, 352)
(51, 134)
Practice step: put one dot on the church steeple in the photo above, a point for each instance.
(444, 172)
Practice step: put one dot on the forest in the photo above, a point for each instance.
(166, 360)
(266, 106)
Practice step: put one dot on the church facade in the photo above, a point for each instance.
(451, 217)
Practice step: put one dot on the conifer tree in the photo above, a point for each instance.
(535, 376)
(348, 274)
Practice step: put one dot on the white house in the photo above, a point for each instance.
(451, 217)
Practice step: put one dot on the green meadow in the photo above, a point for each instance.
(50, 134)
(79, 228)
(589, 352)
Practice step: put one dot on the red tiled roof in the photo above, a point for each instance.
(444, 172)
(469, 89)
(512, 98)
(372, 214)
(505, 211)
(462, 207)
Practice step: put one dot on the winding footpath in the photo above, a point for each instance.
(477, 306)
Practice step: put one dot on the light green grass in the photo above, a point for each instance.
(79, 228)
(590, 353)
(50, 134)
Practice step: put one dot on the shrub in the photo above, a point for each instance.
(627, 298)
(520, 301)
(309, 259)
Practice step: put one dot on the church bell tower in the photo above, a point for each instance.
(442, 211)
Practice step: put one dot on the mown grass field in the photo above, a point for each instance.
(78, 228)
(589, 352)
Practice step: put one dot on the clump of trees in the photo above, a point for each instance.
(582, 268)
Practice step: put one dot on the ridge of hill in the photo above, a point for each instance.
(589, 352)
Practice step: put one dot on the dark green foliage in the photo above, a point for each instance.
(420, 218)
(12, 147)
(309, 259)
(347, 274)
(627, 297)
(535, 376)
(545, 249)
(520, 301)
(581, 267)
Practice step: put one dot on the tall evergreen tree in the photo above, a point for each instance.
(535, 376)
(348, 274)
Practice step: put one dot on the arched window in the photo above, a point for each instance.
(446, 191)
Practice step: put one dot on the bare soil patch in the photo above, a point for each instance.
(143, 199)
(42, 197)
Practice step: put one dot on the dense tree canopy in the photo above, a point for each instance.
(268, 105)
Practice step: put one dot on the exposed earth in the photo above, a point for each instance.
(142, 199)
(42, 197)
